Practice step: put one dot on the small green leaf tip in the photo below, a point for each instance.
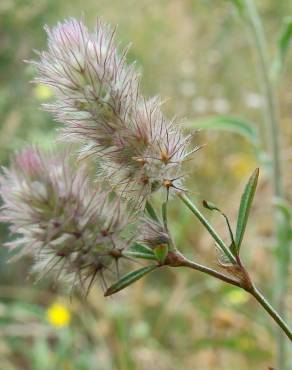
(161, 252)
(245, 206)
(209, 205)
(129, 279)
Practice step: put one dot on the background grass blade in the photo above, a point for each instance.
(283, 43)
(227, 123)
(244, 208)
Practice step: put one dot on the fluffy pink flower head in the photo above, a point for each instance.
(99, 101)
(61, 220)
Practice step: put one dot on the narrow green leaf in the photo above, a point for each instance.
(151, 212)
(129, 279)
(244, 208)
(233, 248)
(141, 255)
(285, 36)
(284, 207)
(164, 214)
(226, 123)
(283, 43)
(140, 251)
(161, 252)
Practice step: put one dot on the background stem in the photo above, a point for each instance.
(268, 91)
(283, 244)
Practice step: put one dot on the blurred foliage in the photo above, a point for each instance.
(198, 56)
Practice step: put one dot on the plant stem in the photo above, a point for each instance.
(283, 254)
(208, 226)
(253, 291)
(271, 311)
(184, 262)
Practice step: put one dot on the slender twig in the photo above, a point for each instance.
(208, 226)
(180, 260)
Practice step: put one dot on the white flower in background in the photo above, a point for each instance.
(254, 100)
(221, 105)
(188, 88)
(200, 104)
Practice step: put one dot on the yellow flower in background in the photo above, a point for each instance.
(58, 315)
(242, 165)
(236, 297)
(245, 344)
(43, 92)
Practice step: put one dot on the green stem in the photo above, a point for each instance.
(182, 261)
(254, 292)
(208, 226)
(274, 143)
(271, 311)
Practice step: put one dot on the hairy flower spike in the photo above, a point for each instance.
(98, 100)
(61, 220)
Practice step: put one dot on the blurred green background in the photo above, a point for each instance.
(197, 55)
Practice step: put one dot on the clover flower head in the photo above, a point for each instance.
(93, 84)
(98, 99)
(62, 221)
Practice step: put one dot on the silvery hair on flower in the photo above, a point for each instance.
(98, 99)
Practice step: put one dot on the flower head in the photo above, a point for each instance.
(66, 224)
(99, 101)
(94, 86)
